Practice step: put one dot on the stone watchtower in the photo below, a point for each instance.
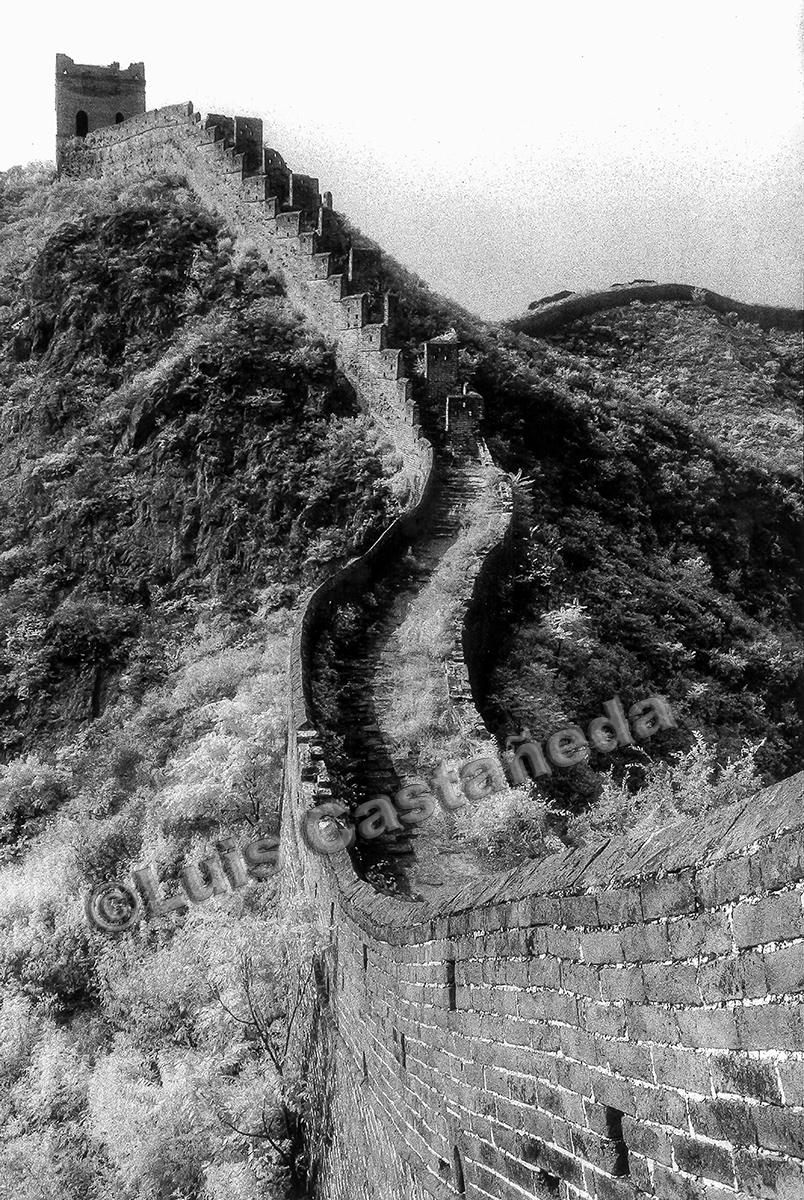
(87, 98)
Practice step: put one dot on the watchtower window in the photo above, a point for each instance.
(81, 123)
(119, 118)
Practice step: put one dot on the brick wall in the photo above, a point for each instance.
(616, 1023)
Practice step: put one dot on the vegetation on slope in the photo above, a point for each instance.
(179, 459)
(657, 557)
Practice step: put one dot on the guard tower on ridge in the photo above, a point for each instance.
(88, 97)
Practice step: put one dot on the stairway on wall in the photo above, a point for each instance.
(341, 282)
(374, 756)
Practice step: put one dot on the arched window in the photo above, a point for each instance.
(81, 123)
(118, 118)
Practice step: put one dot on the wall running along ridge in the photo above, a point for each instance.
(546, 317)
(613, 1023)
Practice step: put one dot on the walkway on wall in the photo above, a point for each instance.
(369, 754)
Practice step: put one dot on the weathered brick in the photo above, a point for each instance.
(561, 1104)
(618, 1093)
(607, 1019)
(758, 1175)
(707, 933)
(671, 984)
(563, 943)
(668, 896)
(602, 947)
(769, 920)
(736, 1075)
(602, 1151)
(579, 978)
(645, 943)
(622, 906)
(711, 1029)
(704, 1159)
(629, 1059)
(784, 970)
(616, 1189)
(782, 862)
(726, 881)
(648, 1140)
(724, 1120)
(575, 1076)
(670, 1185)
(771, 1027)
(733, 978)
(579, 912)
(791, 1075)
(544, 910)
(682, 1069)
(647, 1024)
(560, 1007)
(780, 1129)
(640, 1173)
(660, 1106)
(624, 984)
(565, 1166)
(596, 1116)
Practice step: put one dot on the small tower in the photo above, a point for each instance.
(88, 98)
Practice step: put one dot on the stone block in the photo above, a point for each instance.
(706, 933)
(770, 920)
(579, 912)
(710, 1029)
(661, 1106)
(724, 1120)
(791, 1077)
(648, 1140)
(771, 1027)
(577, 977)
(666, 897)
(646, 1024)
(645, 943)
(603, 947)
(784, 970)
(616, 1093)
(733, 978)
(624, 984)
(726, 881)
(780, 1129)
(629, 1059)
(682, 1069)
(669, 1184)
(622, 906)
(704, 1159)
(676, 984)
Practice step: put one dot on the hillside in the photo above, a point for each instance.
(662, 549)
(182, 458)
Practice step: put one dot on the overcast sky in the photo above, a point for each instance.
(502, 150)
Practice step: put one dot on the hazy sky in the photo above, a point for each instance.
(502, 150)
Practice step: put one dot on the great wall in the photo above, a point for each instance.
(609, 1024)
